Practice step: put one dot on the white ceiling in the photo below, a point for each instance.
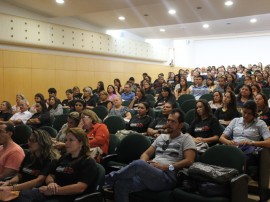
(144, 18)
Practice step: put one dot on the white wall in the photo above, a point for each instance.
(240, 50)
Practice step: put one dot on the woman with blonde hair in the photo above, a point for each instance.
(97, 132)
(73, 174)
(104, 100)
(36, 164)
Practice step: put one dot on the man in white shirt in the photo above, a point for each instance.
(22, 116)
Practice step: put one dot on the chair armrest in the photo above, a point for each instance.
(93, 197)
(110, 157)
(239, 188)
(264, 167)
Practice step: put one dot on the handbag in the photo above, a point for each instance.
(211, 173)
(9, 195)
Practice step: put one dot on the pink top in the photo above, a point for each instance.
(112, 96)
(11, 157)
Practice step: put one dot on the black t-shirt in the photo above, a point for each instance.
(30, 170)
(205, 128)
(226, 116)
(44, 119)
(105, 104)
(158, 123)
(92, 101)
(139, 125)
(5, 116)
(70, 103)
(265, 117)
(136, 103)
(71, 171)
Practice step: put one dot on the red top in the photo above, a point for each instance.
(99, 136)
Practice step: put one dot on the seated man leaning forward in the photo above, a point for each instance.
(173, 151)
(22, 116)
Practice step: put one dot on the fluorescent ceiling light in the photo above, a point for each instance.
(172, 12)
(228, 3)
(253, 20)
(60, 1)
(121, 18)
(205, 26)
(162, 30)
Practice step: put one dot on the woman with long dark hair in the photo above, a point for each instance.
(41, 117)
(181, 88)
(100, 87)
(118, 87)
(147, 88)
(138, 98)
(111, 92)
(141, 120)
(5, 111)
(228, 111)
(244, 95)
(205, 128)
(165, 96)
(263, 109)
(54, 108)
(216, 102)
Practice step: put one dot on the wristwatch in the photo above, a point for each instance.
(171, 167)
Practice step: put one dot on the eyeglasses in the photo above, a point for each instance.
(165, 145)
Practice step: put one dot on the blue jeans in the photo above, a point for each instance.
(35, 196)
(137, 176)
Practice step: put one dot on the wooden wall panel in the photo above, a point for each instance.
(84, 78)
(64, 81)
(17, 59)
(42, 80)
(84, 64)
(43, 61)
(16, 80)
(32, 72)
(1, 84)
(1, 59)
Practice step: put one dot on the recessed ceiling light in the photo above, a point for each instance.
(172, 12)
(205, 26)
(162, 30)
(60, 1)
(228, 3)
(253, 20)
(121, 18)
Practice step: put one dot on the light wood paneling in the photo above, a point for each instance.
(1, 83)
(16, 80)
(84, 64)
(17, 59)
(1, 59)
(64, 81)
(43, 61)
(42, 80)
(32, 72)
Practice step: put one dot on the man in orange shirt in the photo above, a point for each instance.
(11, 154)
